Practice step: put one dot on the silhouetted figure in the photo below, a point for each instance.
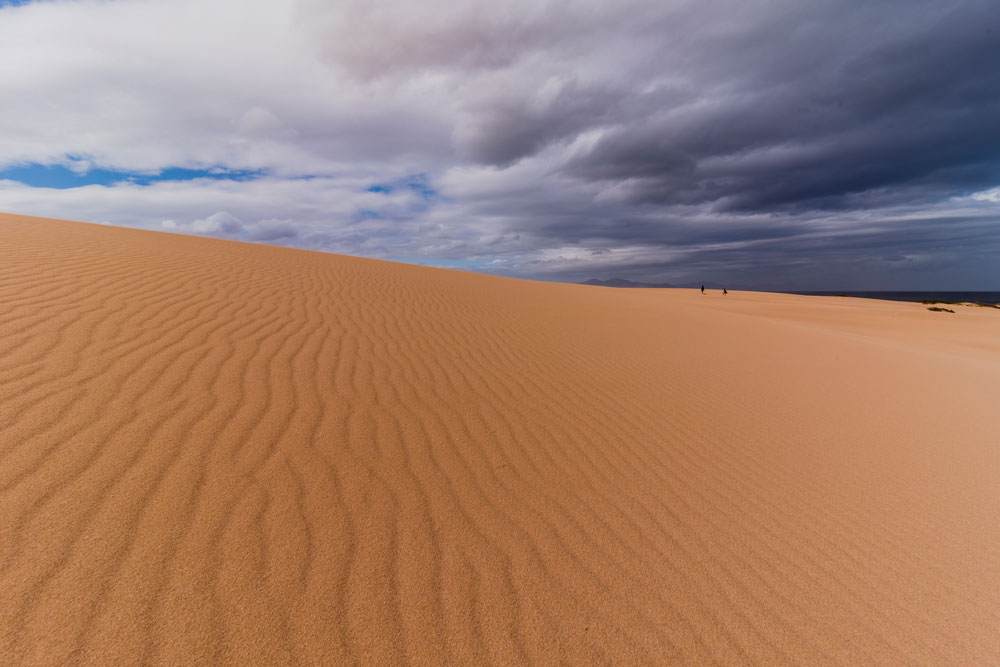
(724, 292)
(702, 289)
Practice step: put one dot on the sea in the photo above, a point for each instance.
(956, 297)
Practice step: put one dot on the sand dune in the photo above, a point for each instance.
(214, 452)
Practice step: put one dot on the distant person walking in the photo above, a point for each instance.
(724, 292)
(702, 289)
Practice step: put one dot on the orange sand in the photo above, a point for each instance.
(215, 452)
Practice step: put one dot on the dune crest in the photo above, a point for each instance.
(216, 452)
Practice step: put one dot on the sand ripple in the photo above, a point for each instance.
(214, 452)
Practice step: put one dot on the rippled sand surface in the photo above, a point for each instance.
(224, 453)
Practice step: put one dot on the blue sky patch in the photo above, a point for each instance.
(62, 177)
(418, 184)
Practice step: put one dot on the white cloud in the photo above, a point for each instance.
(988, 196)
(147, 84)
(221, 222)
(329, 211)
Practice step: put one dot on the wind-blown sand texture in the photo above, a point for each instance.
(215, 452)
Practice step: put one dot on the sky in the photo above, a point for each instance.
(763, 144)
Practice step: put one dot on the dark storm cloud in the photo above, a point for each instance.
(892, 95)
(920, 254)
(768, 141)
(500, 132)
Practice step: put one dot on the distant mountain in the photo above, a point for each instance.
(621, 282)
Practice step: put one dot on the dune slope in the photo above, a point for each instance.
(214, 452)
